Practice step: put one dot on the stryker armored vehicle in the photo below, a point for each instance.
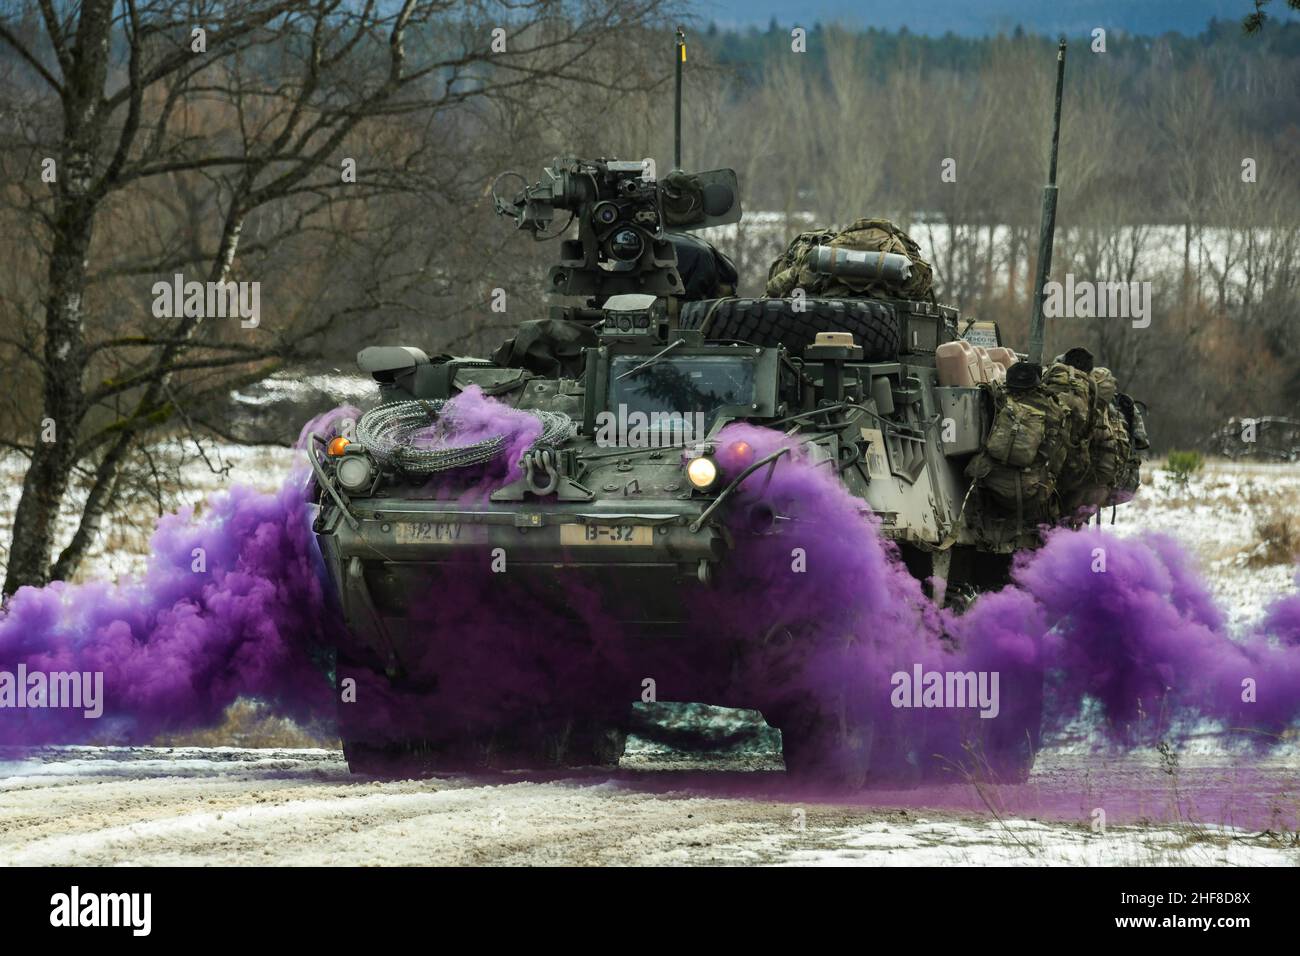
(638, 526)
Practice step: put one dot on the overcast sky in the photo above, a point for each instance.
(973, 17)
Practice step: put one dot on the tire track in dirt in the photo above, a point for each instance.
(230, 807)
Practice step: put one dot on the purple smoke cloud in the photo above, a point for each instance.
(823, 610)
(230, 605)
(1126, 622)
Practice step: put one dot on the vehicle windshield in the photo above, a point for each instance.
(689, 387)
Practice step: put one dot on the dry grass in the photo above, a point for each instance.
(1277, 534)
(250, 723)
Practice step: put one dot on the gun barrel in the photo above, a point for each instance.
(860, 264)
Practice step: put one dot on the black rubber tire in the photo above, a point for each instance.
(585, 742)
(581, 745)
(590, 740)
(771, 322)
(820, 751)
(1011, 749)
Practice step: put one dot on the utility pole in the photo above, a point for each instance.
(1047, 228)
(679, 55)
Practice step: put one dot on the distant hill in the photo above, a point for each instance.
(984, 17)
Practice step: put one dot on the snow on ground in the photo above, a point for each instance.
(226, 806)
(125, 548)
(189, 474)
(1216, 518)
(342, 387)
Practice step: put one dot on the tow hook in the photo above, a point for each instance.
(704, 572)
(545, 460)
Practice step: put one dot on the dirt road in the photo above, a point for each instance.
(103, 806)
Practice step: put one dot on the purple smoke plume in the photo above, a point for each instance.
(1123, 621)
(227, 607)
(822, 610)
(232, 603)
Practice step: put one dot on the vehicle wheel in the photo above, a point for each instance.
(374, 723)
(1010, 750)
(600, 745)
(580, 742)
(825, 750)
(1003, 749)
(396, 761)
(505, 749)
(770, 322)
(391, 729)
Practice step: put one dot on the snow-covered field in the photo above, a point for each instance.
(1217, 517)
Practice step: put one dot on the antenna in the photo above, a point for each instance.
(679, 55)
(1047, 227)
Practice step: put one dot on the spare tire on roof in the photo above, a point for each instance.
(770, 322)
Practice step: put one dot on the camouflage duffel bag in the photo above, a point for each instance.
(791, 269)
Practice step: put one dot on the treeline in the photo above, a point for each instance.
(235, 167)
(1178, 167)
(752, 49)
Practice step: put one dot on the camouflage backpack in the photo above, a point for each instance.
(1029, 494)
(1137, 426)
(1077, 392)
(1130, 474)
(1023, 453)
(1109, 447)
(1104, 380)
(790, 271)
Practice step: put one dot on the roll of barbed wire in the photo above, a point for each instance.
(388, 432)
(860, 264)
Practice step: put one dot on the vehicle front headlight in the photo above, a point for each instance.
(702, 473)
(354, 473)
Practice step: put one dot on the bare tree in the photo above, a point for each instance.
(234, 119)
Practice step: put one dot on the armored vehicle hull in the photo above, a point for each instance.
(608, 535)
(524, 547)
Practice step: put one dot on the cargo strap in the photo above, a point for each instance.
(708, 316)
(951, 537)
(1011, 448)
(1020, 504)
